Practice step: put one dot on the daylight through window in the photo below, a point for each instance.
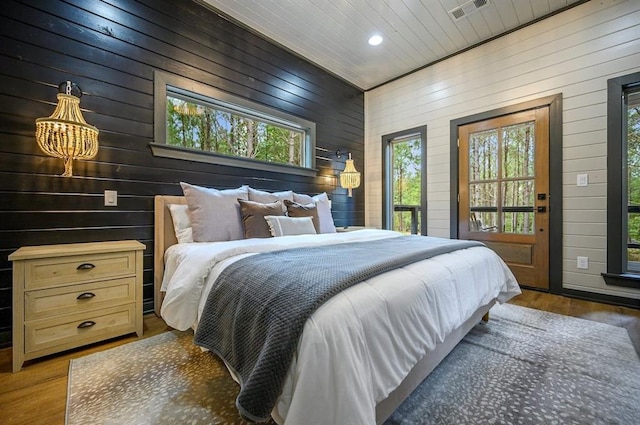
(198, 122)
(623, 181)
(404, 175)
(225, 130)
(632, 135)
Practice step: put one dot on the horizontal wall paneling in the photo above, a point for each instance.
(111, 49)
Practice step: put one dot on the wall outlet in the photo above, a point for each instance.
(582, 180)
(583, 262)
(110, 198)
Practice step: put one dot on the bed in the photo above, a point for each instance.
(324, 384)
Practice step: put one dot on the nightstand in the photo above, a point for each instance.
(69, 295)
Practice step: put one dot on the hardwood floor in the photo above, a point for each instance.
(37, 394)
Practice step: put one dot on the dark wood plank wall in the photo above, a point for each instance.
(110, 49)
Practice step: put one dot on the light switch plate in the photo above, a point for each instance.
(583, 262)
(582, 180)
(110, 198)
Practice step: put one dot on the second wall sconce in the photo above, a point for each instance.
(350, 177)
(65, 134)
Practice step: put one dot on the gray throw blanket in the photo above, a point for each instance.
(258, 306)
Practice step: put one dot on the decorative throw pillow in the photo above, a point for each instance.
(325, 217)
(295, 209)
(181, 222)
(266, 197)
(253, 213)
(215, 214)
(289, 226)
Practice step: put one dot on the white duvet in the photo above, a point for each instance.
(361, 344)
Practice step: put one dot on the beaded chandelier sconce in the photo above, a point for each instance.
(65, 134)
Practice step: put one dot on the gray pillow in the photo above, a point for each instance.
(302, 198)
(215, 214)
(266, 197)
(295, 209)
(252, 214)
(325, 218)
(289, 226)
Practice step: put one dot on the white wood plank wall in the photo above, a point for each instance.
(573, 53)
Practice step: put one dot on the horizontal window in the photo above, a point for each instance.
(200, 123)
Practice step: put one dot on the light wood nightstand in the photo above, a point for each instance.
(69, 295)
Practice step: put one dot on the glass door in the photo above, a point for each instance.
(504, 190)
(405, 181)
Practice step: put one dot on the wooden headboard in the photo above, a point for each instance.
(164, 236)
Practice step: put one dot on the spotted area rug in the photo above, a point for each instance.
(162, 380)
(532, 367)
(522, 367)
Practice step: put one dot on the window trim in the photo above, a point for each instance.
(616, 185)
(167, 83)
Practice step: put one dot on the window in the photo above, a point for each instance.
(623, 181)
(501, 182)
(631, 111)
(197, 122)
(405, 181)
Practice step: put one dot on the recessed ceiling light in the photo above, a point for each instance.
(375, 40)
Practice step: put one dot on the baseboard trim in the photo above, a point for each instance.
(603, 298)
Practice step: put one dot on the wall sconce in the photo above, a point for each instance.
(350, 177)
(65, 134)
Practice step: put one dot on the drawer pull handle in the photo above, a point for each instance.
(85, 296)
(85, 266)
(86, 324)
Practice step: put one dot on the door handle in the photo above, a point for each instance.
(542, 209)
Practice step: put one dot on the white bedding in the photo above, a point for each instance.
(358, 346)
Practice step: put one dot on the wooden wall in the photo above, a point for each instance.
(573, 53)
(110, 49)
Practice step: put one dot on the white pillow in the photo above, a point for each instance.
(181, 222)
(215, 214)
(323, 207)
(325, 218)
(280, 225)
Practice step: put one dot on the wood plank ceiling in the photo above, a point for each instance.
(333, 33)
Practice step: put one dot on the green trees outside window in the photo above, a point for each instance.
(220, 130)
(632, 130)
(623, 181)
(407, 184)
(197, 122)
(502, 179)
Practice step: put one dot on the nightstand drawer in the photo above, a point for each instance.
(78, 298)
(50, 272)
(78, 329)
